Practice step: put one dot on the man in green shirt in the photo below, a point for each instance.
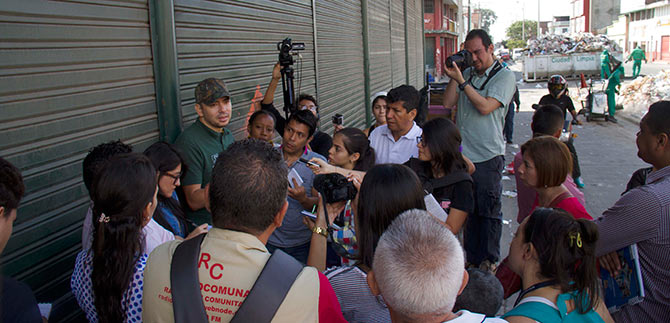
(482, 94)
(604, 64)
(637, 56)
(613, 85)
(202, 142)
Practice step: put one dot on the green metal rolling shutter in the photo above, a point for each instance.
(380, 46)
(73, 75)
(414, 42)
(236, 41)
(341, 72)
(418, 49)
(398, 42)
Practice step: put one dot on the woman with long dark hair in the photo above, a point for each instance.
(107, 279)
(351, 151)
(443, 171)
(170, 165)
(554, 254)
(386, 191)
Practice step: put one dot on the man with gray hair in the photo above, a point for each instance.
(419, 270)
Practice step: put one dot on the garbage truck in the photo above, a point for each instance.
(542, 67)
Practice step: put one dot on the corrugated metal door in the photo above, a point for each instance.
(236, 41)
(412, 40)
(416, 67)
(380, 46)
(73, 75)
(398, 42)
(341, 71)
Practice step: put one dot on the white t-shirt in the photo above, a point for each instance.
(469, 317)
(387, 150)
(154, 234)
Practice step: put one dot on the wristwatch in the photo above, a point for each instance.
(320, 230)
(462, 86)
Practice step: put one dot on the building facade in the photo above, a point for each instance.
(442, 29)
(559, 25)
(593, 15)
(648, 26)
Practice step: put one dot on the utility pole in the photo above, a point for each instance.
(479, 8)
(523, 22)
(469, 17)
(538, 19)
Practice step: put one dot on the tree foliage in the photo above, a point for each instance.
(488, 18)
(515, 43)
(514, 30)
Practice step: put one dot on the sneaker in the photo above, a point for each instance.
(510, 142)
(612, 119)
(579, 182)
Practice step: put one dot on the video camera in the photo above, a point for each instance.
(286, 50)
(285, 47)
(463, 60)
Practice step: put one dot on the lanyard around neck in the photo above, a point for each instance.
(496, 68)
(532, 288)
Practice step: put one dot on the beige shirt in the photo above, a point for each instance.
(229, 263)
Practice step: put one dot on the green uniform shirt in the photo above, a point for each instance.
(201, 146)
(482, 135)
(637, 54)
(605, 58)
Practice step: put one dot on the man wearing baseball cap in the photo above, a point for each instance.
(202, 142)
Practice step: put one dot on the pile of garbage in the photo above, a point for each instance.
(570, 43)
(638, 95)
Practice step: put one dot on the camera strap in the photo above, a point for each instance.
(496, 68)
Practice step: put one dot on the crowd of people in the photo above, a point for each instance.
(335, 229)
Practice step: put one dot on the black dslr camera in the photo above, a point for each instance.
(463, 60)
(285, 47)
(334, 187)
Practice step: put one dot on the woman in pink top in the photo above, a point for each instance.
(546, 163)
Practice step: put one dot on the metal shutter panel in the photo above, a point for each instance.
(341, 72)
(73, 75)
(236, 41)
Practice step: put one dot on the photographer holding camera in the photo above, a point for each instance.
(481, 92)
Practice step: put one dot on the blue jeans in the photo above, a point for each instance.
(300, 253)
(483, 227)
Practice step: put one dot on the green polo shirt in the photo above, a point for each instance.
(200, 147)
(482, 135)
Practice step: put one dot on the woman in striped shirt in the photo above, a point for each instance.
(387, 191)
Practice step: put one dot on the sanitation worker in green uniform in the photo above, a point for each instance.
(612, 88)
(604, 64)
(637, 56)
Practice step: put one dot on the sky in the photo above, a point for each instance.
(509, 11)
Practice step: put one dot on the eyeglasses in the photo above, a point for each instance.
(419, 141)
(174, 177)
(307, 107)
